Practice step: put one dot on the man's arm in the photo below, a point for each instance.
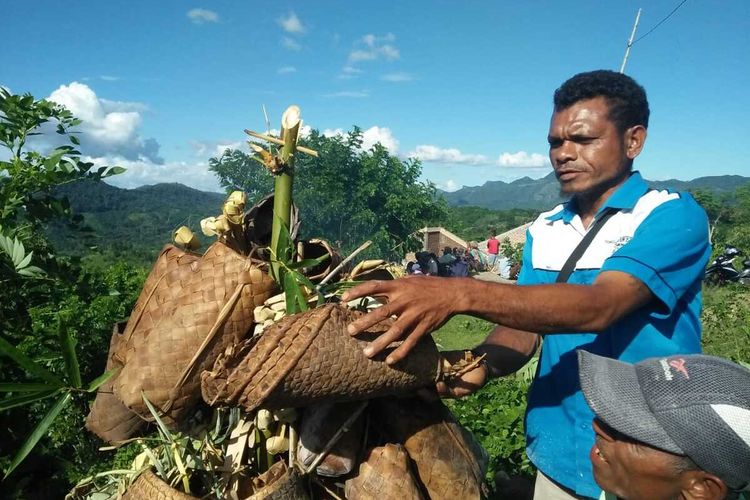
(423, 305)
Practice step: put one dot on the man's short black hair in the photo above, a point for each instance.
(628, 105)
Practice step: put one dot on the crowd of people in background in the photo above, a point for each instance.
(460, 262)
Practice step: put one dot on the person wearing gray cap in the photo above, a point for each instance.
(669, 427)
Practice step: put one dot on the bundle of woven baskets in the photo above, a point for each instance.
(192, 340)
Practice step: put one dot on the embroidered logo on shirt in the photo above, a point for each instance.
(619, 242)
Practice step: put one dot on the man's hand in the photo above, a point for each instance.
(421, 305)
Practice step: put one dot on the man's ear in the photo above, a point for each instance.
(635, 138)
(700, 485)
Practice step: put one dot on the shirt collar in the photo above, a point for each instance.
(624, 198)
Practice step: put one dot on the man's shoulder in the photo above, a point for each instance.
(673, 207)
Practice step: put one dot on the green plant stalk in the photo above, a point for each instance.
(282, 199)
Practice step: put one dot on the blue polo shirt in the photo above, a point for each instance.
(659, 237)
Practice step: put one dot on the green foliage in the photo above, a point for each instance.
(495, 415)
(46, 304)
(726, 322)
(514, 252)
(347, 195)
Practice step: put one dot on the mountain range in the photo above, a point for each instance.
(544, 193)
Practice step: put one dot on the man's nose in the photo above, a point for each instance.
(565, 153)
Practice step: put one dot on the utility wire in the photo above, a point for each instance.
(659, 23)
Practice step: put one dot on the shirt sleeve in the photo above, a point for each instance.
(527, 268)
(668, 252)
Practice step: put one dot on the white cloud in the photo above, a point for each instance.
(285, 70)
(291, 23)
(522, 159)
(435, 154)
(143, 172)
(333, 132)
(375, 47)
(200, 16)
(109, 106)
(449, 185)
(349, 72)
(349, 93)
(383, 135)
(397, 77)
(108, 127)
(109, 78)
(370, 137)
(289, 43)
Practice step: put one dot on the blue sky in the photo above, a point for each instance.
(465, 86)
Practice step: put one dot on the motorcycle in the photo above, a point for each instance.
(722, 269)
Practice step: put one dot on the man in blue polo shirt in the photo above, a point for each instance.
(616, 271)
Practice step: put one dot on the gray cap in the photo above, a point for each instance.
(691, 404)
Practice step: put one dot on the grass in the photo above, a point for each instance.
(461, 332)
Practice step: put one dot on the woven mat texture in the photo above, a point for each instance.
(447, 463)
(109, 418)
(149, 486)
(309, 358)
(179, 305)
(278, 483)
(385, 475)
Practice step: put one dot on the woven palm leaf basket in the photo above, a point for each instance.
(308, 358)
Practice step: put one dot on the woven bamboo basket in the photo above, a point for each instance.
(319, 425)
(148, 486)
(385, 475)
(190, 310)
(315, 248)
(309, 358)
(277, 483)
(109, 418)
(450, 464)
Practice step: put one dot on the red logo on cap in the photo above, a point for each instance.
(679, 365)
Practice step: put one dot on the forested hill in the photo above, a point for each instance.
(135, 223)
(132, 222)
(544, 193)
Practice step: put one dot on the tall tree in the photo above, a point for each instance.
(347, 194)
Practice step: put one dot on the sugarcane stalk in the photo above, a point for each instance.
(282, 198)
(279, 142)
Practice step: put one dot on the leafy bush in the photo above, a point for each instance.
(495, 415)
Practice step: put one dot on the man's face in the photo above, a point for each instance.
(632, 470)
(589, 155)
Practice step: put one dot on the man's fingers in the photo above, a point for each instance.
(372, 318)
(407, 345)
(367, 288)
(394, 333)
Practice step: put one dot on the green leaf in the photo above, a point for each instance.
(75, 140)
(289, 286)
(309, 262)
(27, 363)
(114, 171)
(163, 428)
(68, 348)
(22, 387)
(31, 272)
(25, 261)
(18, 252)
(8, 403)
(98, 381)
(38, 432)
